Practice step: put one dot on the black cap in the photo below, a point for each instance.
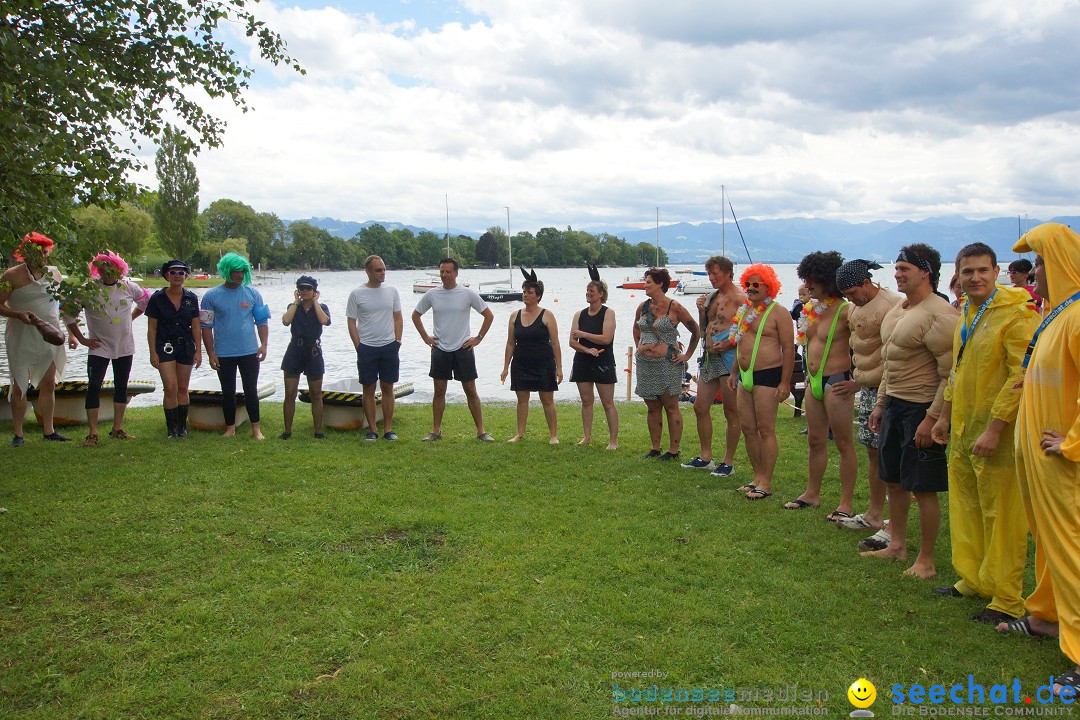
(307, 281)
(174, 264)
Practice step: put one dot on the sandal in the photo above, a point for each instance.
(91, 440)
(757, 494)
(120, 435)
(798, 503)
(837, 515)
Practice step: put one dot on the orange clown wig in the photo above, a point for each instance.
(44, 244)
(767, 275)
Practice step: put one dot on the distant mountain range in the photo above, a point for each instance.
(787, 240)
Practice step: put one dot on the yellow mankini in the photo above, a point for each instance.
(1051, 401)
(986, 516)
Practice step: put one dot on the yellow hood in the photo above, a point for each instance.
(1060, 250)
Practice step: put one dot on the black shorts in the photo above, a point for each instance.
(587, 368)
(900, 463)
(305, 359)
(378, 363)
(459, 365)
(769, 377)
(178, 350)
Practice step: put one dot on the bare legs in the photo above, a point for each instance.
(387, 402)
(757, 415)
(292, 382)
(703, 415)
(665, 405)
(475, 408)
(547, 400)
(611, 413)
(929, 522)
(832, 411)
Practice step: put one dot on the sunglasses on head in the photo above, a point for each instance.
(754, 285)
(176, 271)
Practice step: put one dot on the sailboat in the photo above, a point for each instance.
(431, 278)
(702, 287)
(498, 291)
(640, 284)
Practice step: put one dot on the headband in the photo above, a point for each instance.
(854, 273)
(913, 259)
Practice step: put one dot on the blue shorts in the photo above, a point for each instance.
(378, 363)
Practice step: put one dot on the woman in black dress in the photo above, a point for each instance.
(592, 336)
(532, 342)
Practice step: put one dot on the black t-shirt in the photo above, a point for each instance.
(173, 323)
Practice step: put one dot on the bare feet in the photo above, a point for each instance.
(584, 441)
(922, 570)
(1029, 625)
(553, 441)
(230, 431)
(516, 438)
(891, 553)
(612, 446)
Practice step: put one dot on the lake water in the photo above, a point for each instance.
(563, 296)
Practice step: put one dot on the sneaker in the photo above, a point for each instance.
(723, 470)
(668, 456)
(120, 435)
(320, 436)
(371, 436)
(877, 541)
(858, 522)
(390, 435)
(17, 441)
(699, 464)
(651, 454)
(485, 437)
(285, 435)
(91, 440)
(804, 431)
(57, 437)
(431, 437)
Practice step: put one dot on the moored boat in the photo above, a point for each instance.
(343, 403)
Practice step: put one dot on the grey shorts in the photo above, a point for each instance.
(867, 401)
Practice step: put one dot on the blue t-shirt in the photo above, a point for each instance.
(231, 313)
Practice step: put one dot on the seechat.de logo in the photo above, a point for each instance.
(862, 695)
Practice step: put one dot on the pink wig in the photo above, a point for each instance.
(767, 275)
(107, 257)
(46, 244)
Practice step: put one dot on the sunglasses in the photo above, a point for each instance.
(178, 272)
(754, 285)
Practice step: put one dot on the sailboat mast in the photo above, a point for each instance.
(723, 224)
(657, 237)
(509, 249)
(446, 198)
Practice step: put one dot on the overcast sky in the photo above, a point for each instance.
(595, 112)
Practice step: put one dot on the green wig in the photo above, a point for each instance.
(234, 263)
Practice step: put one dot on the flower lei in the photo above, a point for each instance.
(745, 317)
(811, 311)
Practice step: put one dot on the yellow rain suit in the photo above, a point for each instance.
(1050, 400)
(986, 516)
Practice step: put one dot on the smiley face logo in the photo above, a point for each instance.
(862, 693)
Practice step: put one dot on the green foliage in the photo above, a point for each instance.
(232, 219)
(83, 84)
(487, 247)
(123, 229)
(176, 211)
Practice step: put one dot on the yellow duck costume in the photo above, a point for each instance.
(986, 518)
(1051, 401)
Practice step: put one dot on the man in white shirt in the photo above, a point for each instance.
(375, 326)
(451, 344)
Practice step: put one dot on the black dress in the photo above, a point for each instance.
(599, 369)
(532, 366)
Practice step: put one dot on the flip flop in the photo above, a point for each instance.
(1022, 626)
(837, 515)
(746, 488)
(1070, 679)
(798, 503)
(756, 494)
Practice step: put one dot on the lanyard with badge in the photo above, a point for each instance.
(1049, 318)
(966, 331)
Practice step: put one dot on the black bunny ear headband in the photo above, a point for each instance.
(529, 274)
(594, 273)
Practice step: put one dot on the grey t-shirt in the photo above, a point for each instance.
(373, 310)
(451, 316)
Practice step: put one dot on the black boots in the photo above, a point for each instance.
(181, 420)
(172, 420)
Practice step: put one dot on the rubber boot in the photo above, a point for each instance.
(171, 421)
(181, 420)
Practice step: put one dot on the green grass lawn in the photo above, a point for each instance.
(214, 578)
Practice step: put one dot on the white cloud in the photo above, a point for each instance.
(595, 113)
